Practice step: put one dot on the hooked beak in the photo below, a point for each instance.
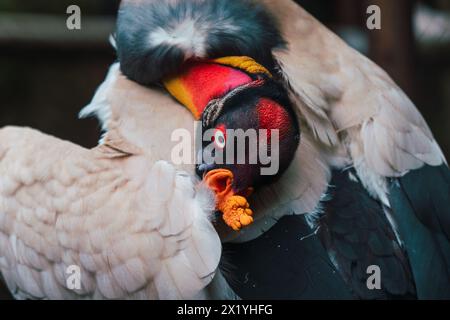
(235, 208)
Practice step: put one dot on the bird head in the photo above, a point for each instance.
(250, 132)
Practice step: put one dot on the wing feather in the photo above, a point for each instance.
(347, 100)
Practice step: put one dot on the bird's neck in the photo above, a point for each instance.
(202, 81)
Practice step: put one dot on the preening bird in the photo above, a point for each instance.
(367, 185)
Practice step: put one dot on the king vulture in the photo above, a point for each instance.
(361, 183)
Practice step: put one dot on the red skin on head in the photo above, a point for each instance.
(273, 116)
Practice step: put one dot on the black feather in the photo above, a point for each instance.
(228, 27)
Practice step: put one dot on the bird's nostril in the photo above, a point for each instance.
(221, 184)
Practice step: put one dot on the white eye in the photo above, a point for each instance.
(219, 139)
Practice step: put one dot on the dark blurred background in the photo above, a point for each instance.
(48, 73)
